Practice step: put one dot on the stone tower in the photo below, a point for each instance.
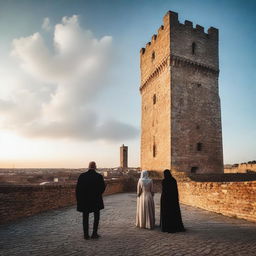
(124, 156)
(181, 117)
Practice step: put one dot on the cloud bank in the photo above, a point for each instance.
(59, 82)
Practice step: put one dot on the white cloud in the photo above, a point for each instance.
(46, 24)
(54, 94)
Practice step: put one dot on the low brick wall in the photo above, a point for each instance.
(234, 199)
(18, 201)
(241, 168)
(116, 186)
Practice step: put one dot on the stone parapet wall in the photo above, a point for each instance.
(241, 168)
(216, 177)
(234, 199)
(18, 201)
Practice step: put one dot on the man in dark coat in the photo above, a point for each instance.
(89, 189)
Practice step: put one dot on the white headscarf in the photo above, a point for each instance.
(144, 177)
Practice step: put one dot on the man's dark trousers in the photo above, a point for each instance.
(95, 223)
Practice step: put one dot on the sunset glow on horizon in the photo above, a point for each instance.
(70, 76)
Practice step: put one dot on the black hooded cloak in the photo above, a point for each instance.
(170, 216)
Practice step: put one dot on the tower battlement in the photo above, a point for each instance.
(171, 20)
(179, 43)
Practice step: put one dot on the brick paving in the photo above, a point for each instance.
(59, 232)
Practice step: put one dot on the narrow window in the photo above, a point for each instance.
(153, 56)
(154, 150)
(198, 127)
(154, 99)
(199, 146)
(198, 85)
(193, 48)
(194, 169)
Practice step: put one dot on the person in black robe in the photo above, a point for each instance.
(89, 189)
(170, 216)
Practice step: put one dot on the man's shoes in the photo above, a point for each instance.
(86, 237)
(95, 236)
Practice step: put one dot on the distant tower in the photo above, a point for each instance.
(181, 116)
(124, 156)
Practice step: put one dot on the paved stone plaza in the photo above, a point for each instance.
(59, 232)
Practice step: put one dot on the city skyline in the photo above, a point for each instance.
(70, 78)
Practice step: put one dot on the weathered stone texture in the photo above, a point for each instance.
(155, 124)
(186, 113)
(26, 200)
(241, 168)
(235, 199)
(228, 198)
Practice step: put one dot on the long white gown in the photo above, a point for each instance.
(145, 216)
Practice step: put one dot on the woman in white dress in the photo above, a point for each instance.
(145, 216)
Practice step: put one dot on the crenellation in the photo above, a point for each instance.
(154, 37)
(172, 23)
(188, 28)
(213, 32)
(148, 44)
(188, 23)
(142, 50)
(171, 18)
(160, 30)
(199, 28)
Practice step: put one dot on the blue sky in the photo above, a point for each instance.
(108, 102)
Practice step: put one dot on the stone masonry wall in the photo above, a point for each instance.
(18, 201)
(234, 199)
(195, 99)
(155, 108)
(241, 168)
(181, 114)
